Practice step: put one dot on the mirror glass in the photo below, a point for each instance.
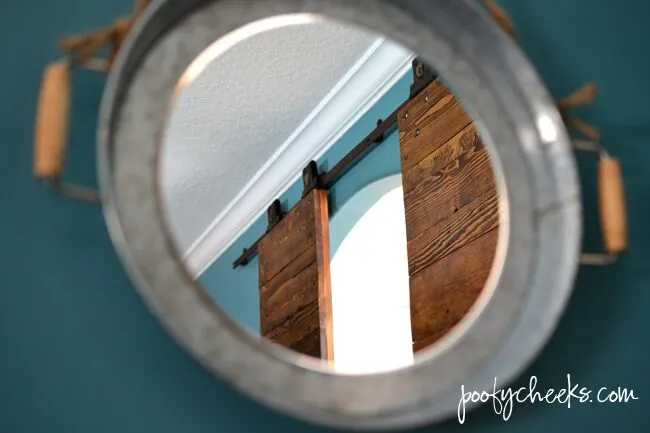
(328, 192)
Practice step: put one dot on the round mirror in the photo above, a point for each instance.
(328, 192)
(350, 211)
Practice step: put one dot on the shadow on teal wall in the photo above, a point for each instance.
(80, 353)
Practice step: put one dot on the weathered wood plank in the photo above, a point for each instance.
(295, 294)
(454, 232)
(439, 124)
(322, 238)
(293, 235)
(465, 141)
(411, 113)
(286, 294)
(451, 211)
(444, 192)
(443, 293)
(309, 344)
(293, 268)
(296, 328)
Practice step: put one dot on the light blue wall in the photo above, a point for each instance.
(237, 290)
(80, 353)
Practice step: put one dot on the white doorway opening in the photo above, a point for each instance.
(370, 289)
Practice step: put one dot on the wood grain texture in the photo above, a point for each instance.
(295, 294)
(466, 140)
(613, 208)
(443, 293)
(451, 209)
(286, 294)
(451, 234)
(322, 227)
(411, 114)
(52, 121)
(443, 119)
(293, 235)
(438, 192)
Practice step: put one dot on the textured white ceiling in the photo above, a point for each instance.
(231, 119)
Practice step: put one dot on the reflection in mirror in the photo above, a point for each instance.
(329, 192)
(370, 285)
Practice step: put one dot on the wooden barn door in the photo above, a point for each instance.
(451, 210)
(294, 276)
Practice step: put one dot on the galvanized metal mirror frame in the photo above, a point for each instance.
(538, 247)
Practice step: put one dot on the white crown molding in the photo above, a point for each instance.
(376, 72)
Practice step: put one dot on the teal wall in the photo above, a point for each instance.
(80, 353)
(237, 290)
